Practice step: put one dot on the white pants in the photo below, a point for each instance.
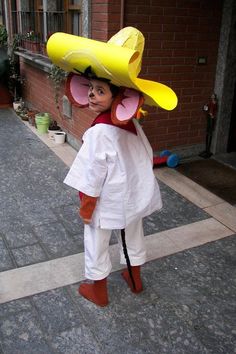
(96, 245)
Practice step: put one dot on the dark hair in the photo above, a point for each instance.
(90, 75)
(114, 89)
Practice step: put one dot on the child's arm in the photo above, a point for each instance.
(87, 207)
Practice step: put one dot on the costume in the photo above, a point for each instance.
(114, 167)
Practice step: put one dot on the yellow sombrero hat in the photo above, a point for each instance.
(118, 60)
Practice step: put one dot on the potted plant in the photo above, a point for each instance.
(57, 75)
(31, 116)
(31, 42)
(16, 81)
(43, 49)
(3, 36)
(22, 112)
(42, 121)
(18, 105)
(53, 127)
(59, 137)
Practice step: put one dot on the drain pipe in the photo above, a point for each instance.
(6, 12)
(122, 8)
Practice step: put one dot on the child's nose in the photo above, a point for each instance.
(91, 94)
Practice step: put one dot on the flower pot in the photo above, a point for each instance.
(53, 129)
(59, 137)
(31, 45)
(24, 116)
(17, 105)
(43, 49)
(51, 134)
(31, 117)
(42, 121)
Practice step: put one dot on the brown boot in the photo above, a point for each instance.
(95, 292)
(137, 279)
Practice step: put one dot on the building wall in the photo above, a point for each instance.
(177, 32)
(39, 94)
(99, 20)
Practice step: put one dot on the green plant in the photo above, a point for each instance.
(32, 36)
(54, 126)
(3, 36)
(57, 75)
(16, 81)
(22, 113)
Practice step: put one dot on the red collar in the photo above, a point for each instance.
(105, 118)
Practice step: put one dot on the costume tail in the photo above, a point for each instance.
(127, 257)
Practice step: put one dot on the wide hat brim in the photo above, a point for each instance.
(116, 60)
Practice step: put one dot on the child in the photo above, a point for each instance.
(113, 169)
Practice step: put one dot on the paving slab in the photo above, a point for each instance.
(5, 259)
(21, 333)
(77, 340)
(29, 255)
(56, 310)
(21, 238)
(56, 239)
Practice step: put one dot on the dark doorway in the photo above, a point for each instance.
(232, 132)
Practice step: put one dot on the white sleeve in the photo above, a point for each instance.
(88, 171)
(144, 139)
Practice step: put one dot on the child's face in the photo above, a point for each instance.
(99, 96)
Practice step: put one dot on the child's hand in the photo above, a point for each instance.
(87, 207)
(85, 221)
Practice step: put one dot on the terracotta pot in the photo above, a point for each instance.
(31, 117)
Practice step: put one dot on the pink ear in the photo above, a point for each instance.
(77, 87)
(126, 105)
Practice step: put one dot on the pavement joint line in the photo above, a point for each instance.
(226, 224)
(37, 278)
(225, 213)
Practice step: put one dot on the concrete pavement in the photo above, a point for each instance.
(188, 305)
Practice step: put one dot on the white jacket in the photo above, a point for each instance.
(116, 166)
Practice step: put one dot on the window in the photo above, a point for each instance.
(38, 19)
(14, 17)
(1, 13)
(74, 23)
